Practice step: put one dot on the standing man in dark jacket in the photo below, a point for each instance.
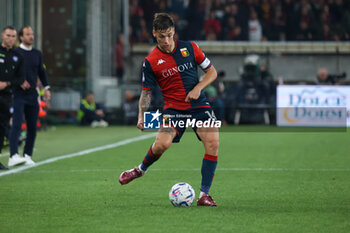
(25, 99)
(11, 74)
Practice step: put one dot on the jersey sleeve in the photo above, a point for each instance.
(200, 57)
(148, 78)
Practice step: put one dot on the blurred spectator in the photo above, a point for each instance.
(91, 113)
(288, 9)
(119, 56)
(322, 75)
(255, 29)
(215, 94)
(212, 25)
(241, 16)
(131, 107)
(195, 19)
(323, 78)
(280, 19)
(218, 8)
(217, 103)
(304, 33)
(336, 10)
(143, 34)
(326, 32)
(181, 26)
(266, 12)
(345, 25)
(152, 7)
(325, 15)
(232, 31)
(278, 24)
(136, 15)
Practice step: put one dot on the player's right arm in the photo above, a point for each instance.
(144, 104)
(148, 83)
(209, 70)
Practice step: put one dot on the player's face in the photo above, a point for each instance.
(28, 36)
(9, 37)
(165, 39)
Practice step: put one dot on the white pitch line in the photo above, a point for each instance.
(263, 169)
(80, 153)
(198, 169)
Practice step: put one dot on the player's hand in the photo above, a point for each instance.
(3, 85)
(100, 113)
(192, 95)
(47, 95)
(140, 123)
(25, 85)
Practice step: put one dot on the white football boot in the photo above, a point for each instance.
(95, 124)
(16, 160)
(29, 160)
(103, 123)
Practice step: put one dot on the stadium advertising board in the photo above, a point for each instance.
(309, 105)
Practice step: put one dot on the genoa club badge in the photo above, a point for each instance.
(184, 52)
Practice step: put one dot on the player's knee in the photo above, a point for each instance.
(165, 145)
(161, 146)
(215, 144)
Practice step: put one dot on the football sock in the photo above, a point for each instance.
(149, 159)
(208, 171)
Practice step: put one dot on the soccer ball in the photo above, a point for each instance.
(181, 194)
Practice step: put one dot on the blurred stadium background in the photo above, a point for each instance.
(78, 38)
(269, 179)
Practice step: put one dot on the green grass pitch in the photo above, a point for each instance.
(265, 182)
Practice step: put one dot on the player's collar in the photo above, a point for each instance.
(25, 48)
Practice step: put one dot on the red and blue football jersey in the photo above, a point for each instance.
(176, 74)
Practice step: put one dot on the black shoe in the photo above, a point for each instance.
(2, 167)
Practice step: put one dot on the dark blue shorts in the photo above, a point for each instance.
(174, 117)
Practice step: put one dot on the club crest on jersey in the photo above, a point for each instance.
(184, 52)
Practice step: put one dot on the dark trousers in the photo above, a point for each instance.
(28, 106)
(89, 117)
(5, 115)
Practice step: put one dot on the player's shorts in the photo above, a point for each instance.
(178, 119)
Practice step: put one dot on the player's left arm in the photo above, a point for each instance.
(209, 77)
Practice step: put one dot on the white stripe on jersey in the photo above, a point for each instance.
(205, 64)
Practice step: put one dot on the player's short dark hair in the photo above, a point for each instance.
(8, 27)
(20, 33)
(162, 21)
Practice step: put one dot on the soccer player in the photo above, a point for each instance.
(25, 100)
(11, 74)
(173, 66)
